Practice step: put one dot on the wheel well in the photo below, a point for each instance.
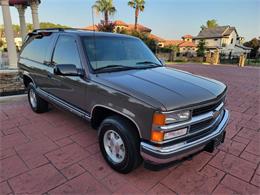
(100, 113)
(26, 80)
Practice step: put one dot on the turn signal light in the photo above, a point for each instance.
(159, 119)
(157, 136)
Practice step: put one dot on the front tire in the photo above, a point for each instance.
(119, 144)
(37, 104)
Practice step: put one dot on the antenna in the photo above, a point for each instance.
(94, 36)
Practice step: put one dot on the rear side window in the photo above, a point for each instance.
(38, 48)
(66, 52)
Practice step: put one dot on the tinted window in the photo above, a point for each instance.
(66, 52)
(104, 51)
(37, 48)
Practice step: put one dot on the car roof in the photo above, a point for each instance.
(97, 34)
(77, 32)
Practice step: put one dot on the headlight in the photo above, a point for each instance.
(175, 133)
(162, 119)
(173, 117)
(177, 117)
(159, 136)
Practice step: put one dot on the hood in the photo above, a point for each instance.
(171, 88)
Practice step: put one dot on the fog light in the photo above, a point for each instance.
(177, 133)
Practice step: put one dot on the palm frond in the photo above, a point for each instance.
(131, 4)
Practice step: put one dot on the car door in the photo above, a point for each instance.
(35, 57)
(70, 89)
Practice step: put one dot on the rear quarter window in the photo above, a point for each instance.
(37, 48)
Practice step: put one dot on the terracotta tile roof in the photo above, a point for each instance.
(91, 28)
(187, 36)
(120, 23)
(159, 39)
(179, 43)
(187, 44)
(18, 2)
(139, 27)
(172, 42)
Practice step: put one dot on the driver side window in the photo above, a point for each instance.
(66, 52)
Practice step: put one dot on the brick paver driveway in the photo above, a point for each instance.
(57, 153)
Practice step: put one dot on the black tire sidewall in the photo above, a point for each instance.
(131, 151)
(41, 104)
(31, 87)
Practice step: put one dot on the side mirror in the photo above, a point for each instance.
(67, 70)
(162, 61)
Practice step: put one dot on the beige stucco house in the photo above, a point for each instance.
(224, 38)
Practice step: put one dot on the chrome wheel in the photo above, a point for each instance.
(33, 100)
(114, 146)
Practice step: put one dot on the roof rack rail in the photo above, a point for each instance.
(53, 29)
(41, 31)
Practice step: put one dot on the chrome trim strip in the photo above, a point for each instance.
(220, 106)
(99, 105)
(157, 161)
(26, 73)
(211, 125)
(171, 150)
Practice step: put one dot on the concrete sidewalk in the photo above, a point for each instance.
(58, 153)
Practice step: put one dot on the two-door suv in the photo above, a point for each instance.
(142, 109)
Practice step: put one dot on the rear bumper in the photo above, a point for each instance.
(162, 155)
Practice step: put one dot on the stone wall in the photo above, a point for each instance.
(10, 83)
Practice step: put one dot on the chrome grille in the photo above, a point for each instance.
(206, 125)
(205, 109)
(199, 125)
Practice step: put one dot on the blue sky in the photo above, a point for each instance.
(167, 18)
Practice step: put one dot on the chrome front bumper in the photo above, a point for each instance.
(162, 155)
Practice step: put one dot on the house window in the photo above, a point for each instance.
(215, 39)
(232, 40)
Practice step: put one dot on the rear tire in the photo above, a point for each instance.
(119, 144)
(37, 104)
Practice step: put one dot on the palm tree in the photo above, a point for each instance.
(210, 24)
(138, 5)
(106, 7)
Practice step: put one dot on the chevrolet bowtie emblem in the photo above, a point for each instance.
(216, 113)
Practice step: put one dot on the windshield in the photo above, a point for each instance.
(114, 52)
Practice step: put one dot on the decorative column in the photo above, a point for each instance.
(35, 18)
(12, 55)
(21, 11)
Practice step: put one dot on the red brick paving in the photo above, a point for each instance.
(58, 153)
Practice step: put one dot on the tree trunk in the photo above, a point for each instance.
(106, 18)
(136, 17)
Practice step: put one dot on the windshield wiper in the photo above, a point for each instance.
(149, 62)
(114, 67)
